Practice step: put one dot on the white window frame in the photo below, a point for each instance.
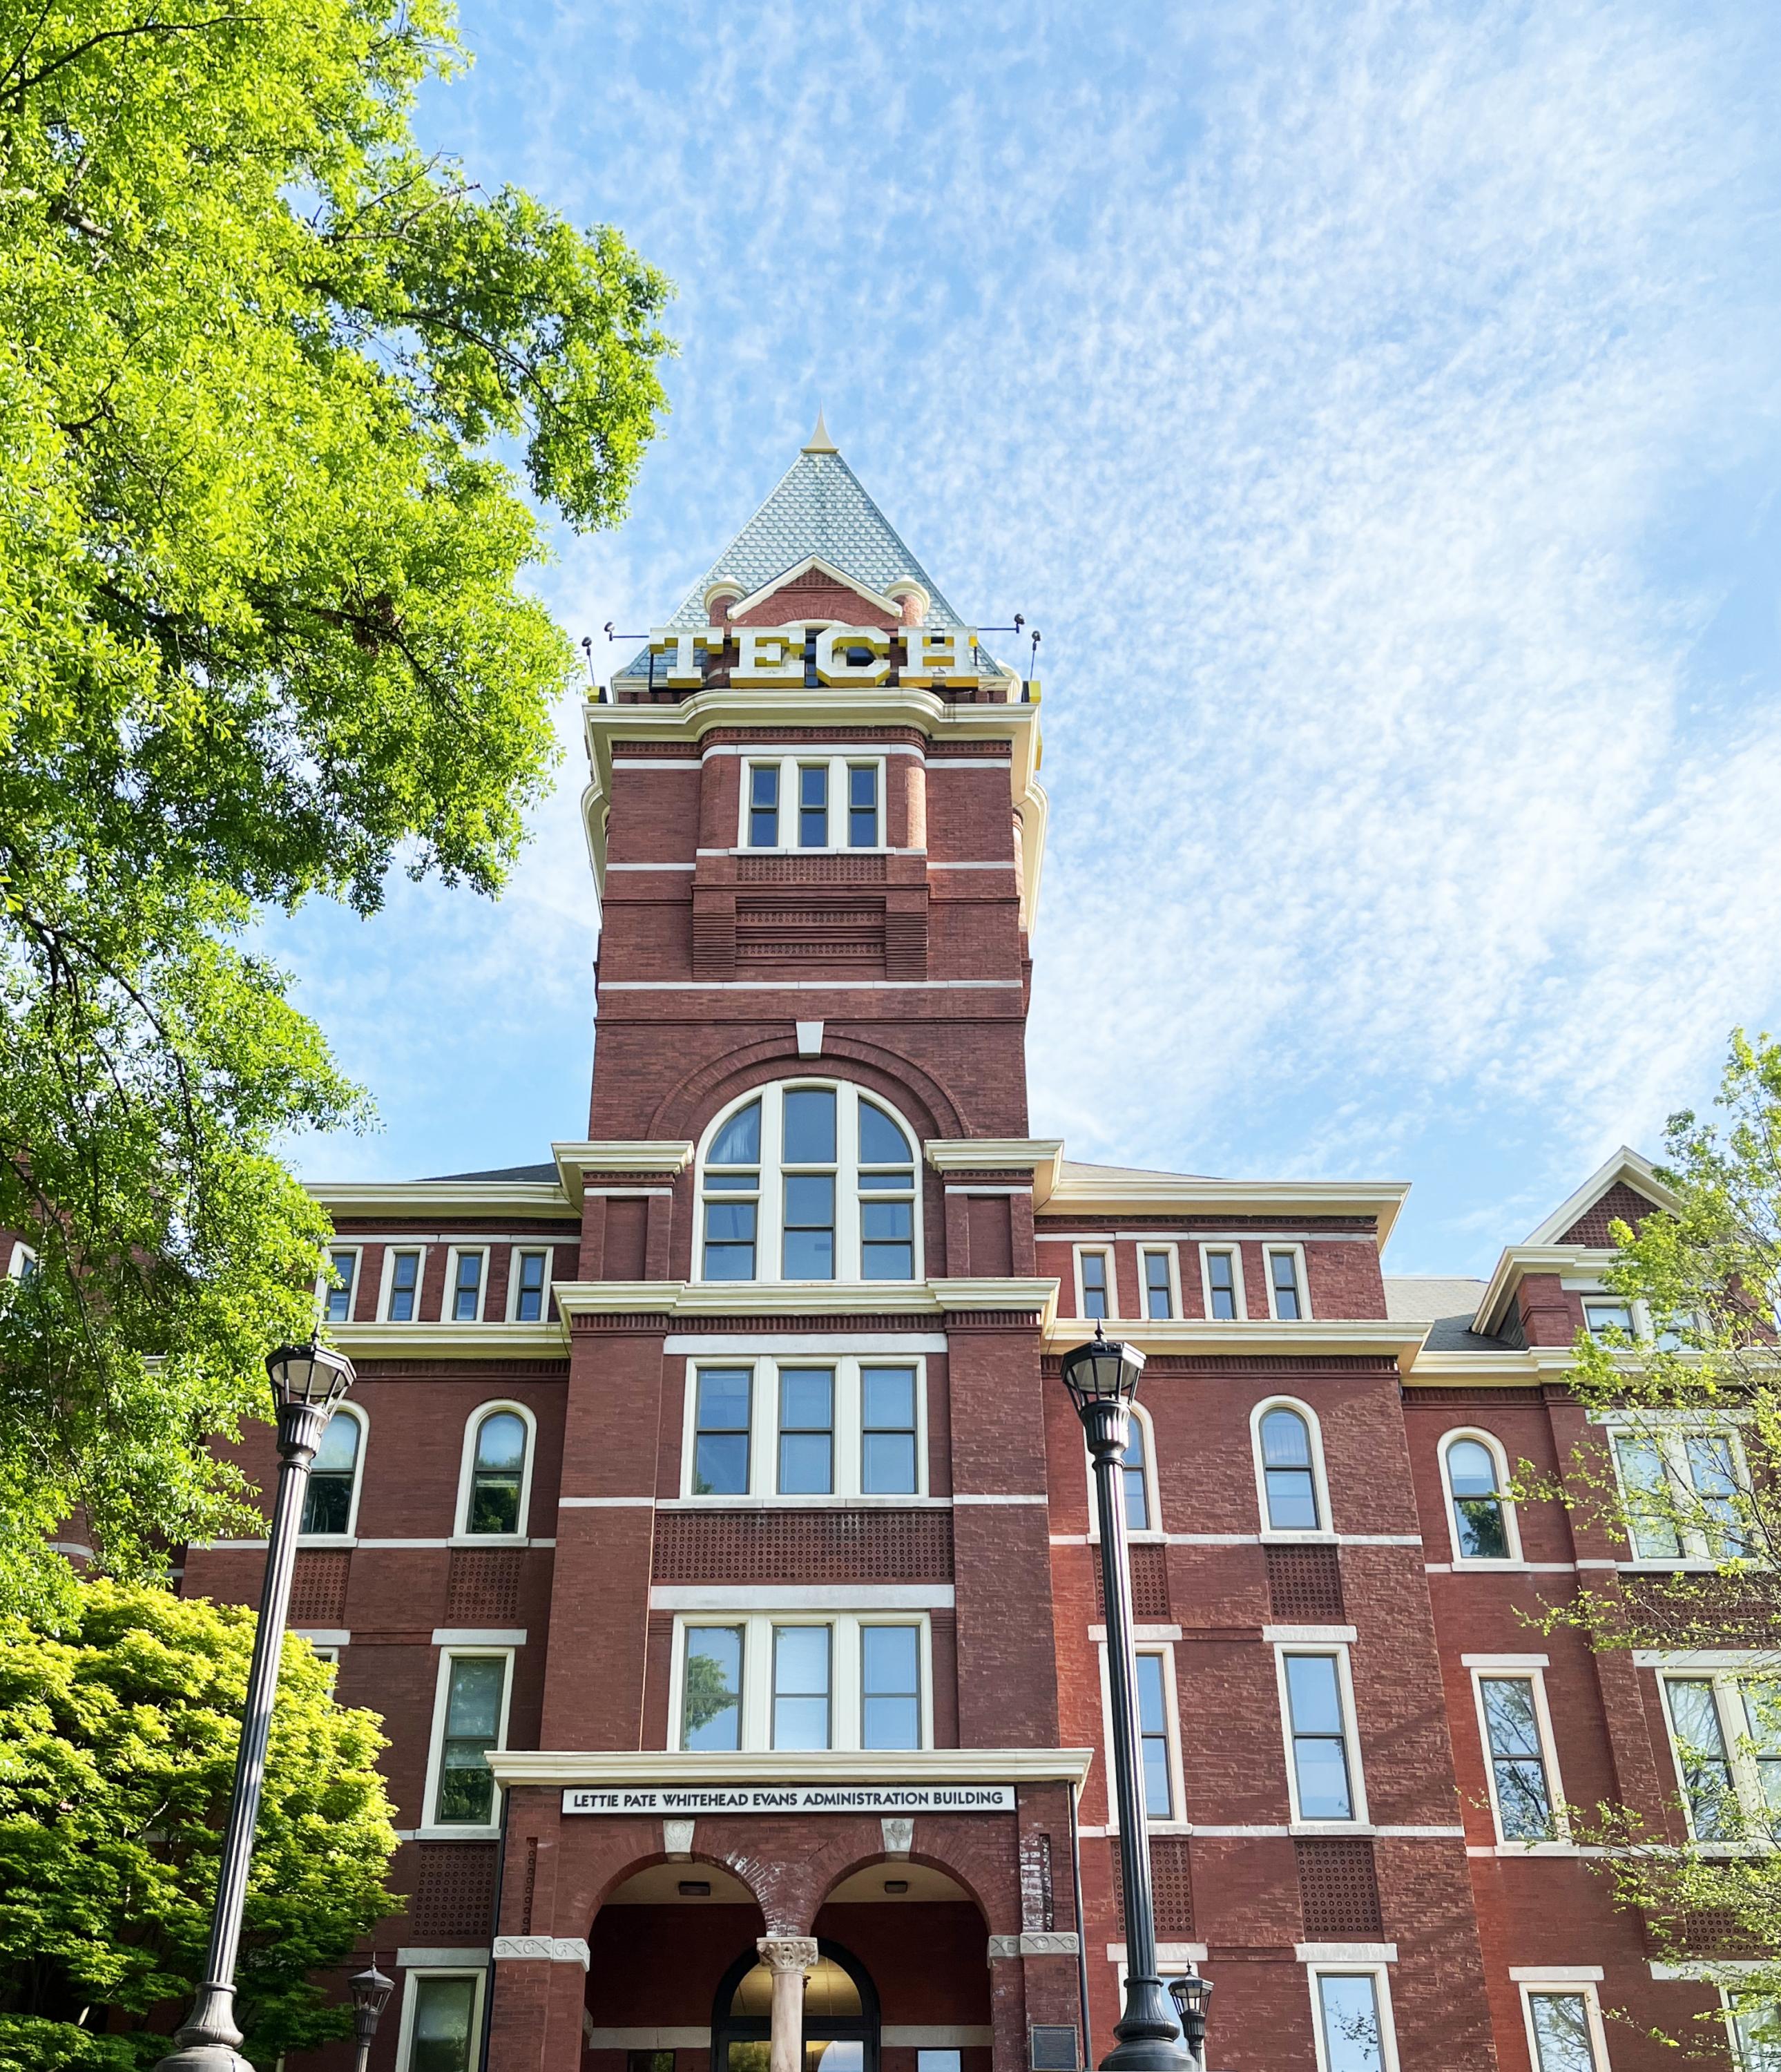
(764, 1371)
(432, 1829)
(770, 1212)
(1579, 1985)
(1734, 1731)
(1171, 1253)
(324, 1293)
(23, 1256)
(1302, 1278)
(1360, 1817)
(789, 762)
(1153, 1533)
(1144, 1644)
(846, 1664)
(1325, 1535)
(1511, 1524)
(1729, 1997)
(520, 1251)
(1234, 1253)
(1106, 1252)
(461, 1535)
(411, 1996)
(1380, 1976)
(1670, 1437)
(448, 1307)
(387, 1279)
(350, 1538)
(1525, 1669)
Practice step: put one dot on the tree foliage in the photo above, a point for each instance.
(117, 1745)
(262, 636)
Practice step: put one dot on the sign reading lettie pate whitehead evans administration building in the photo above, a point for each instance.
(671, 1800)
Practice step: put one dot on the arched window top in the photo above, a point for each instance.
(1289, 1468)
(496, 1488)
(808, 1180)
(1480, 1513)
(1138, 1470)
(331, 1503)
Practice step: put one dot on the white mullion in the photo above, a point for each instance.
(757, 1681)
(763, 1427)
(847, 1667)
(849, 1411)
(847, 1266)
(770, 1223)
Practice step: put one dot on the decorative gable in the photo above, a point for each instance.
(813, 588)
(1620, 1204)
(1626, 1187)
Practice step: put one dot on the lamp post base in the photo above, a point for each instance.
(1150, 2036)
(208, 2040)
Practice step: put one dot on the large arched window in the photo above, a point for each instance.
(1288, 1468)
(330, 1504)
(809, 1181)
(495, 1488)
(1482, 1517)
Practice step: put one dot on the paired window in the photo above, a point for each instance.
(343, 1284)
(1323, 1764)
(1352, 2011)
(1563, 2028)
(1288, 1302)
(846, 1683)
(808, 1183)
(1683, 1490)
(442, 2020)
(470, 1719)
(1222, 1275)
(813, 802)
(781, 1428)
(1725, 1734)
(1482, 1517)
(1289, 1469)
(402, 1300)
(331, 1501)
(496, 1482)
(1611, 1318)
(1517, 1737)
(1157, 1272)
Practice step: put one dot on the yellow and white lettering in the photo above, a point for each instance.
(683, 642)
(947, 653)
(834, 666)
(769, 655)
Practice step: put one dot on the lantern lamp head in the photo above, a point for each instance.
(1103, 1372)
(371, 1992)
(312, 1375)
(1192, 1995)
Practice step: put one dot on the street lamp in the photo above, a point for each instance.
(307, 1381)
(371, 1993)
(1102, 1379)
(1191, 1994)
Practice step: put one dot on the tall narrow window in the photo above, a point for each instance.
(800, 1658)
(1095, 1284)
(862, 806)
(1518, 1763)
(466, 1290)
(810, 1147)
(1706, 1766)
(806, 1432)
(1153, 1729)
(1287, 1475)
(1564, 2037)
(886, 1437)
(887, 1198)
(1755, 2035)
(477, 1686)
(529, 1299)
(346, 1270)
(1714, 1474)
(1762, 1744)
(813, 806)
(404, 1285)
(1650, 1500)
(763, 805)
(732, 1197)
(1289, 1299)
(498, 1473)
(1159, 1293)
(1480, 1526)
(1131, 1468)
(1348, 2014)
(442, 2033)
(327, 1505)
(711, 1689)
(1319, 1738)
(890, 1686)
(720, 1438)
(1221, 1285)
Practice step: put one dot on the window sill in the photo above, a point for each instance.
(1300, 1539)
(739, 1503)
(1309, 1828)
(307, 1540)
(493, 1539)
(489, 1833)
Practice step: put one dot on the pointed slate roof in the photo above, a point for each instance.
(818, 507)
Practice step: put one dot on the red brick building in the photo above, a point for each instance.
(712, 1529)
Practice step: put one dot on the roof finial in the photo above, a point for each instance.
(819, 440)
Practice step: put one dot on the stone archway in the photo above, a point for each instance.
(661, 1940)
(921, 1932)
(839, 2014)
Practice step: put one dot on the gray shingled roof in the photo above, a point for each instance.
(818, 507)
(1075, 1170)
(495, 1172)
(1446, 1303)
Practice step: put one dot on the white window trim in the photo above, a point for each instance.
(846, 1661)
(1106, 1252)
(434, 1830)
(1734, 1731)
(1325, 1535)
(1351, 1740)
(1380, 1976)
(1518, 1668)
(1511, 1524)
(1670, 1435)
(513, 1257)
(1297, 1254)
(411, 1995)
(1234, 1251)
(1728, 2000)
(769, 1214)
(764, 1371)
(324, 1293)
(461, 1535)
(448, 1312)
(839, 761)
(1172, 1254)
(350, 1538)
(1178, 1823)
(387, 1276)
(23, 1256)
(1582, 1987)
(1152, 1534)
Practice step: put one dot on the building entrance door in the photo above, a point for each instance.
(840, 2016)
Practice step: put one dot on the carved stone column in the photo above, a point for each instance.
(791, 1959)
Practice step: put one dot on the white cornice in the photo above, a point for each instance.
(484, 1199)
(576, 1161)
(1082, 1194)
(767, 1298)
(1041, 1156)
(1627, 1165)
(592, 1767)
(1519, 1260)
(1314, 1338)
(483, 1342)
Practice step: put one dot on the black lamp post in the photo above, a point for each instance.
(307, 1381)
(1102, 1378)
(371, 1993)
(1191, 1996)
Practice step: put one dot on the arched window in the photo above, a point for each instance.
(1477, 1480)
(1137, 1468)
(497, 1478)
(808, 1181)
(1289, 1469)
(331, 1502)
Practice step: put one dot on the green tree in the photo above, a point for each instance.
(274, 387)
(1689, 1402)
(118, 1742)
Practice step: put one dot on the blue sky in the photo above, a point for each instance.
(1376, 406)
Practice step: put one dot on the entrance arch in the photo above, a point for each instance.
(841, 2024)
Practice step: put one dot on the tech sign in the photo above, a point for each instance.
(775, 656)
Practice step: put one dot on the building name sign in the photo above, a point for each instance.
(679, 1800)
(774, 656)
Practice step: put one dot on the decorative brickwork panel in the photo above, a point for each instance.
(318, 1587)
(813, 1546)
(1707, 1932)
(454, 1892)
(847, 931)
(1149, 1585)
(1172, 1886)
(813, 870)
(1305, 1585)
(482, 1586)
(1338, 1891)
(1620, 1204)
(1701, 1611)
